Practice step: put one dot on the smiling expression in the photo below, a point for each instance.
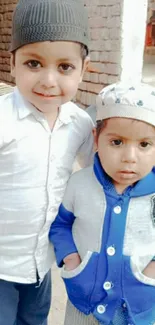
(48, 73)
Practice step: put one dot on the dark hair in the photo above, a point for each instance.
(100, 125)
(84, 52)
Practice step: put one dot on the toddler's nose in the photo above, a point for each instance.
(129, 154)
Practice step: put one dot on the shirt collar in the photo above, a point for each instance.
(24, 109)
(66, 113)
(143, 187)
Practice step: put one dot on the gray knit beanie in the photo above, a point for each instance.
(49, 20)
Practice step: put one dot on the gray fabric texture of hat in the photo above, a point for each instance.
(128, 101)
(49, 20)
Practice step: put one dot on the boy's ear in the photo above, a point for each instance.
(12, 64)
(86, 63)
(95, 140)
(85, 66)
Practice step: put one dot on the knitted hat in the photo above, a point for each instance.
(128, 101)
(49, 20)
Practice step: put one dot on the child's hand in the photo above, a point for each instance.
(72, 261)
(149, 271)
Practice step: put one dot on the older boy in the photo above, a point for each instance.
(41, 132)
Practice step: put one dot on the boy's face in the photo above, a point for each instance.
(126, 150)
(48, 73)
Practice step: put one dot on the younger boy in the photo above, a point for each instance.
(104, 233)
(41, 132)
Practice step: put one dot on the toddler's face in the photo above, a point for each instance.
(126, 149)
(48, 73)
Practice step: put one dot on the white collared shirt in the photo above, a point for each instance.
(35, 165)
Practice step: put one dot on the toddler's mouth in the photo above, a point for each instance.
(127, 172)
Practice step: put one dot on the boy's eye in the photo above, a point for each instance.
(34, 64)
(116, 142)
(65, 67)
(144, 144)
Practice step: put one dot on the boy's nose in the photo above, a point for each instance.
(49, 79)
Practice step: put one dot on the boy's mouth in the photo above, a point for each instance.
(45, 95)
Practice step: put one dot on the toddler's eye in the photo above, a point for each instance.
(117, 142)
(34, 64)
(144, 144)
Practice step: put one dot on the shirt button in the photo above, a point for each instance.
(101, 309)
(111, 251)
(107, 285)
(117, 209)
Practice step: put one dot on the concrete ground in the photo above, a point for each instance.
(57, 312)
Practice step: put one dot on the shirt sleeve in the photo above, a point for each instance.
(92, 112)
(61, 229)
(85, 154)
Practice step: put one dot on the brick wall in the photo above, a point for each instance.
(117, 30)
(151, 6)
(6, 9)
(105, 30)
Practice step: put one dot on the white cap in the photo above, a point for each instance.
(128, 101)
